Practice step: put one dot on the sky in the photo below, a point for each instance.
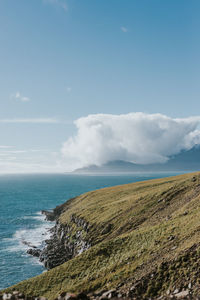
(69, 69)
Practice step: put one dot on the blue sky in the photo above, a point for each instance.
(64, 59)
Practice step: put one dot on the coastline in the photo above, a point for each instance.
(27, 196)
(124, 241)
(59, 247)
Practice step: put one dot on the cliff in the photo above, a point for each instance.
(138, 240)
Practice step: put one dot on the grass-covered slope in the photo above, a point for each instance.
(145, 234)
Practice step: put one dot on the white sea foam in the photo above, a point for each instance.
(35, 236)
(38, 216)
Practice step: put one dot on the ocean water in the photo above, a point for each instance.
(22, 197)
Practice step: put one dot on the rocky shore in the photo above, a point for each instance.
(184, 288)
(113, 294)
(142, 242)
(65, 241)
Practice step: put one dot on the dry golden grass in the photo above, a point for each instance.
(143, 216)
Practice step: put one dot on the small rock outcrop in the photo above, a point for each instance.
(34, 252)
(50, 215)
(102, 295)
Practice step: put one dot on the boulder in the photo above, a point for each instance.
(182, 294)
(34, 252)
(50, 216)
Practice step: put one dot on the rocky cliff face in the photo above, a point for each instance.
(143, 242)
(66, 241)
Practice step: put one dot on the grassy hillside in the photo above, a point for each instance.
(145, 235)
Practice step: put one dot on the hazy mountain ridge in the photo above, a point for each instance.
(184, 161)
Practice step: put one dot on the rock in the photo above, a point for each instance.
(176, 291)
(8, 296)
(168, 292)
(99, 293)
(34, 252)
(173, 248)
(194, 179)
(132, 288)
(190, 285)
(62, 246)
(120, 284)
(119, 295)
(28, 244)
(182, 294)
(70, 296)
(109, 294)
(50, 216)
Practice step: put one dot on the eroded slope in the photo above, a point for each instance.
(139, 235)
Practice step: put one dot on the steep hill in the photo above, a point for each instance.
(142, 239)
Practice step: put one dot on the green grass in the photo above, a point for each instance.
(143, 216)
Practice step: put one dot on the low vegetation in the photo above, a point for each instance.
(145, 238)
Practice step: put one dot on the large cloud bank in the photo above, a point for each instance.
(135, 137)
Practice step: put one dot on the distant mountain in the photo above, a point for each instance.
(184, 161)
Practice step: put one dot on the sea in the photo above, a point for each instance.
(22, 197)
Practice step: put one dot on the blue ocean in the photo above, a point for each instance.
(22, 197)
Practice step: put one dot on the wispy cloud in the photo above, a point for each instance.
(26, 161)
(5, 147)
(7, 151)
(15, 151)
(18, 96)
(60, 3)
(32, 120)
(124, 29)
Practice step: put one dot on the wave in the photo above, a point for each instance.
(38, 216)
(33, 236)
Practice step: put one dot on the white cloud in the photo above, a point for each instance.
(18, 96)
(31, 120)
(124, 29)
(60, 3)
(135, 137)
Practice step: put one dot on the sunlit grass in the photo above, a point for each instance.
(143, 216)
